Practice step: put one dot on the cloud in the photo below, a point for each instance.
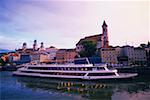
(62, 24)
(48, 21)
(7, 42)
(11, 43)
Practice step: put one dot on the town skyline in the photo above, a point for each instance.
(63, 24)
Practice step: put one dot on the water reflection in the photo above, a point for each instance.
(84, 89)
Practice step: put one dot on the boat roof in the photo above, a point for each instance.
(66, 65)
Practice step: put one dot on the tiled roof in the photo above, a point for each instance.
(90, 37)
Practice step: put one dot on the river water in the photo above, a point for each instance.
(29, 88)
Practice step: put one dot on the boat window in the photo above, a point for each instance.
(100, 68)
(57, 73)
(80, 61)
(101, 74)
(65, 68)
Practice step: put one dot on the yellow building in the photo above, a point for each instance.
(39, 57)
(44, 58)
(108, 55)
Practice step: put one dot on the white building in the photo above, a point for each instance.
(134, 55)
(118, 51)
(129, 52)
(140, 56)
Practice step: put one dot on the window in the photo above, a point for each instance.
(101, 74)
(57, 73)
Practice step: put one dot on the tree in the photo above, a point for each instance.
(142, 45)
(2, 62)
(148, 44)
(89, 49)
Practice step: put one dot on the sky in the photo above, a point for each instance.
(63, 23)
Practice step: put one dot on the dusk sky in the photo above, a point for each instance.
(63, 23)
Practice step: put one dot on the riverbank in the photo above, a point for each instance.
(9, 68)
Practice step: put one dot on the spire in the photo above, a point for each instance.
(104, 24)
(35, 45)
(105, 42)
(42, 45)
(24, 46)
(35, 41)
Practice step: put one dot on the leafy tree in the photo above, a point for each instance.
(2, 62)
(148, 44)
(142, 45)
(89, 49)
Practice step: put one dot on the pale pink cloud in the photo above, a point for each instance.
(63, 23)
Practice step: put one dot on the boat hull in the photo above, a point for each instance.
(121, 76)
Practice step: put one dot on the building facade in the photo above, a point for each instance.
(129, 55)
(70, 55)
(129, 52)
(118, 51)
(60, 56)
(39, 58)
(65, 55)
(122, 59)
(51, 52)
(140, 56)
(44, 58)
(108, 55)
(147, 49)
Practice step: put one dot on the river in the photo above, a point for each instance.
(29, 88)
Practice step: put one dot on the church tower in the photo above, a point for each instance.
(24, 46)
(42, 46)
(35, 45)
(105, 42)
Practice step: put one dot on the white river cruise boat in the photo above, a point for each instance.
(72, 71)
